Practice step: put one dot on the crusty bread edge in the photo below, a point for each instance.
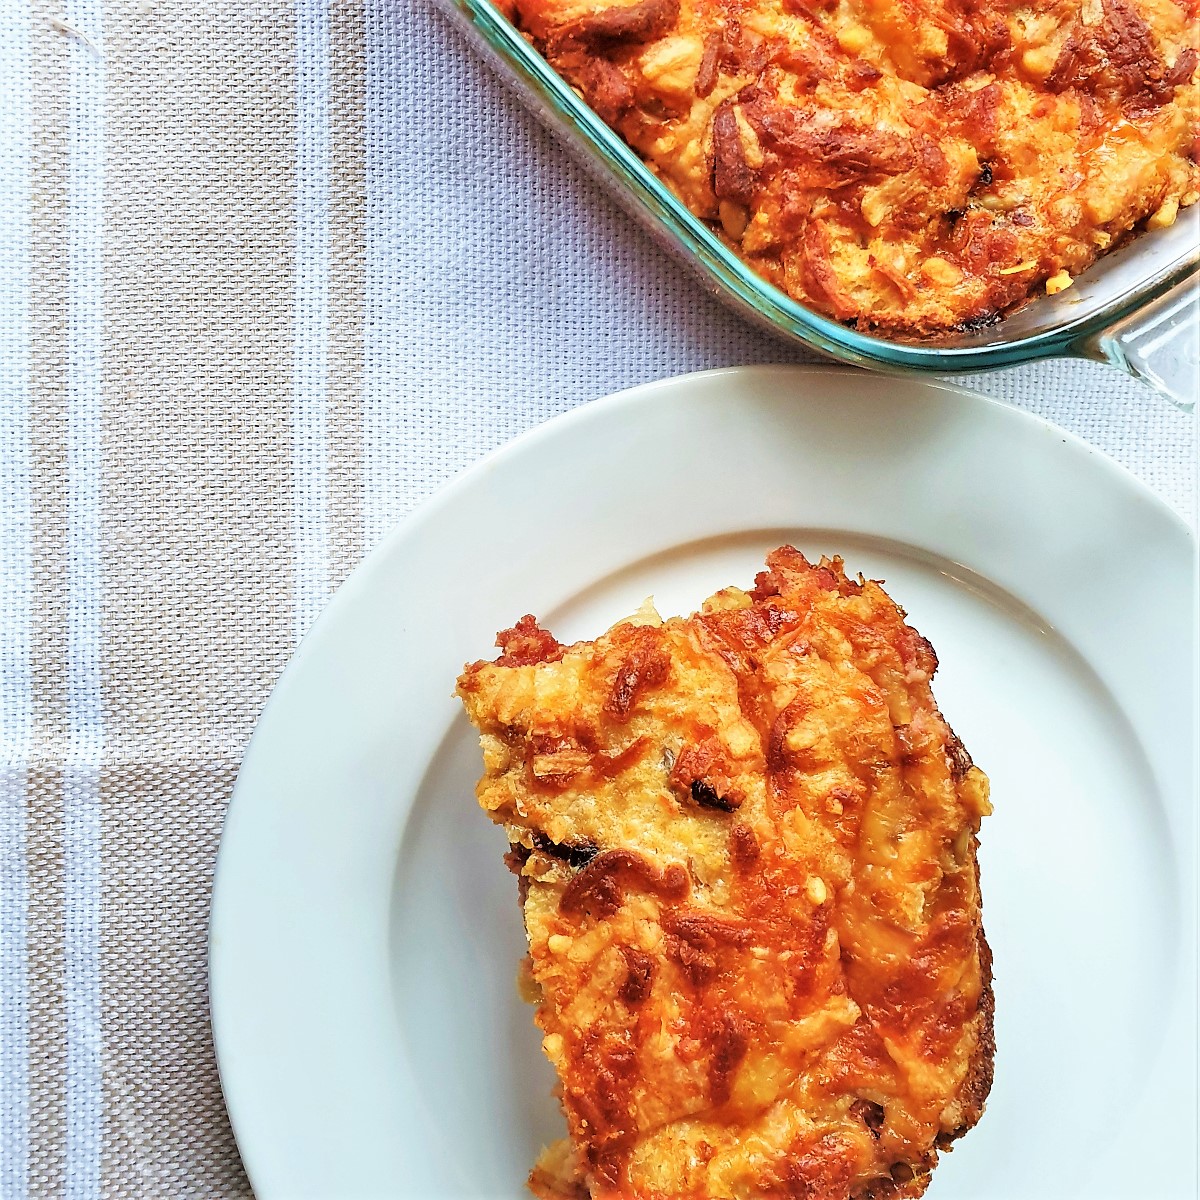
(975, 1089)
(978, 1083)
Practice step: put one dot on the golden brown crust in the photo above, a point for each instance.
(978, 1084)
(916, 167)
(746, 844)
(973, 1094)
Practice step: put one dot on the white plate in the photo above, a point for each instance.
(365, 934)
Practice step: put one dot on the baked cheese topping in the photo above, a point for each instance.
(746, 847)
(915, 166)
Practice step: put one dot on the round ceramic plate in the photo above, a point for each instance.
(366, 935)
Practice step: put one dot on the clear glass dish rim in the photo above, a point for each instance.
(770, 304)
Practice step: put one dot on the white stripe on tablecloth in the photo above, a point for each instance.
(16, 588)
(311, 370)
(81, 776)
(385, 187)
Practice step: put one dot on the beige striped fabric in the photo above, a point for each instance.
(270, 273)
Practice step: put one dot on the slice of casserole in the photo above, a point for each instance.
(746, 847)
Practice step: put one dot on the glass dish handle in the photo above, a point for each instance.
(1158, 344)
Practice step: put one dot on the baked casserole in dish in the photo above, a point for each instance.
(893, 183)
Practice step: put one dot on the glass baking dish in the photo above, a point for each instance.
(1136, 308)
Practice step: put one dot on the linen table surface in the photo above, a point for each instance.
(270, 273)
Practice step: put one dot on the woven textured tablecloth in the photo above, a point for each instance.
(269, 274)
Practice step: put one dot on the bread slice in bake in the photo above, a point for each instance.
(746, 849)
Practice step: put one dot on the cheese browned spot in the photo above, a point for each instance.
(746, 843)
(916, 167)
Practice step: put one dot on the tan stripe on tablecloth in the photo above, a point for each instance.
(347, 285)
(196, 535)
(48, 649)
(47, 1014)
